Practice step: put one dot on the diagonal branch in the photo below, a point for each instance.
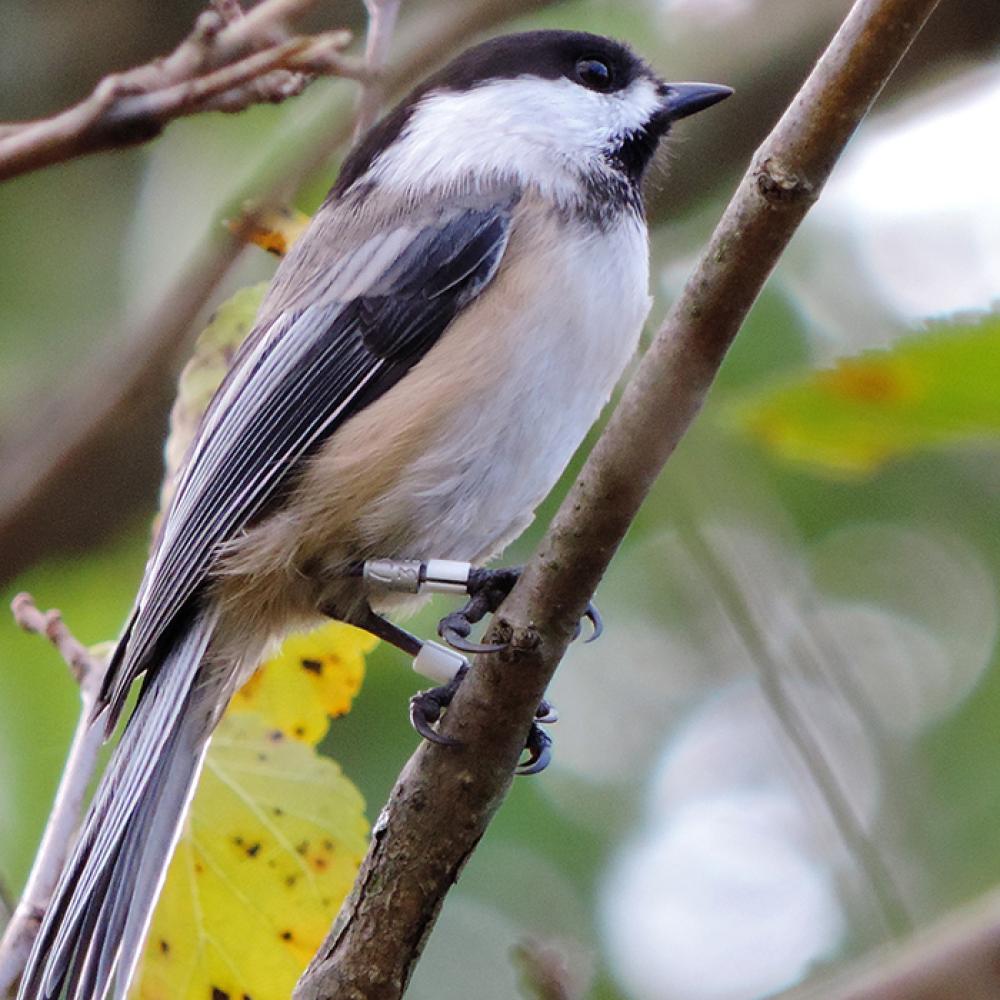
(230, 61)
(445, 797)
(954, 957)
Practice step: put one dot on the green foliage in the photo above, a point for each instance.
(933, 389)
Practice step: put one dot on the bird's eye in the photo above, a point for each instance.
(593, 73)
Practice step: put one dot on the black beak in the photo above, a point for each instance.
(683, 99)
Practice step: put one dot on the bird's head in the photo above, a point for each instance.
(564, 112)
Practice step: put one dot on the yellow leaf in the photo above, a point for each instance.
(271, 846)
(315, 675)
(272, 229)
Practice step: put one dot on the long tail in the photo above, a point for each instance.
(94, 927)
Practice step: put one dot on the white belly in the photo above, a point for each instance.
(453, 460)
(565, 322)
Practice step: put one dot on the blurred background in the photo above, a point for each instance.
(784, 751)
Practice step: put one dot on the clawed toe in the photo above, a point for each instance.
(539, 750)
(456, 627)
(596, 621)
(456, 640)
(423, 714)
(426, 708)
(546, 713)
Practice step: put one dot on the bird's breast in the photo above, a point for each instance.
(452, 461)
(476, 435)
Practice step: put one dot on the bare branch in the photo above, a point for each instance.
(228, 10)
(955, 957)
(547, 973)
(382, 15)
(445, 797)
(229, 61)
(81, 760)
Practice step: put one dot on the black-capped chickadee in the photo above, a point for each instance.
(429, 356)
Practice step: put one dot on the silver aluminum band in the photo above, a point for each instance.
(397, 575)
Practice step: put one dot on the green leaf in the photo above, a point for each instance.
(935, 389)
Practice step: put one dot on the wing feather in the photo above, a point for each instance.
(301, 373)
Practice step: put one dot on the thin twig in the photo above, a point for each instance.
(228, 10)
(88, 670)
(445, 797)
(229, 61)
(546, 972)
(382, 15)
(891, 908)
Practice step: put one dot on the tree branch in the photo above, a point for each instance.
(445, 797)
(228, 62)
(955, 957)
(382, 15)
(80, 763)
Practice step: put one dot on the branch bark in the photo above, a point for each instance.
(382, 15)
(229, 61)
(956, 957)
(80, 764)
(445, 797)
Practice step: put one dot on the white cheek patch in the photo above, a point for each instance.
(538, 132)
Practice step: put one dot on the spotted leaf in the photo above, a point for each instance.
(271, 846)
(314, 677)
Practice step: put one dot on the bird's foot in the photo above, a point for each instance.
(427, 707)
(487, 590)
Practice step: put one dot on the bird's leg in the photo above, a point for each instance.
(485, 588)
(450, 667)
(429, 659)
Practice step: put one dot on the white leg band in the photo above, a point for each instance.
(438, 663)
(445, 576)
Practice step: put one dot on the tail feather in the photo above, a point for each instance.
(167, 811)
(101, 908)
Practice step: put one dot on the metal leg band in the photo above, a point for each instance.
(411, 576)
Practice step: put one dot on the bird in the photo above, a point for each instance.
(427, 359)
